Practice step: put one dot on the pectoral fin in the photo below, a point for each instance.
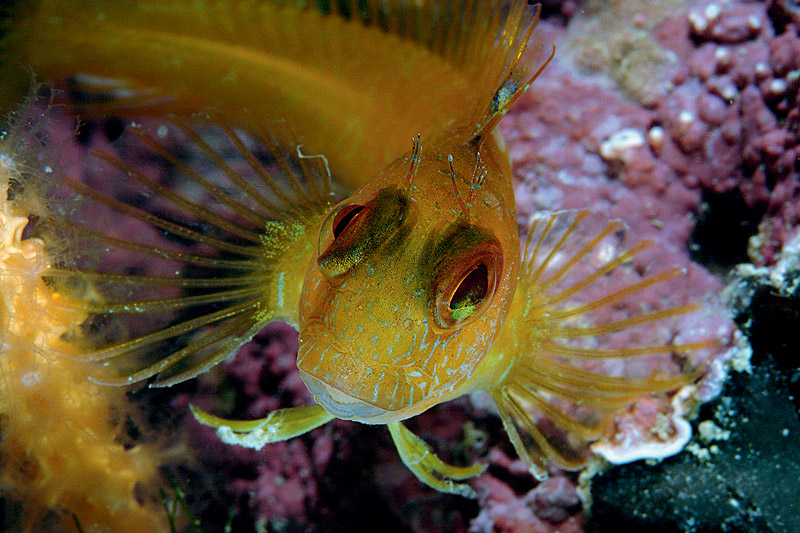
(182, 255)
(590, 332)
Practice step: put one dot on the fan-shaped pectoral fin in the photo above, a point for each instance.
(423, 462)
(282, 424)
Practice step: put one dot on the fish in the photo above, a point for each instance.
(412, 290)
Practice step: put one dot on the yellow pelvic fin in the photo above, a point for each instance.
(590, 331)
(423, 462)
(282, 424)
(182, 254)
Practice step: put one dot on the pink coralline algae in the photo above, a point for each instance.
(552, 503)
(278, 484)
(733, 112)
(726, 23)
(725, 127)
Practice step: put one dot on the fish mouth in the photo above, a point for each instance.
(319, 371)
(340, 404)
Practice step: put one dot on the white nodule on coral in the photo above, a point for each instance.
(762, 69)
(698, 22)
(712, 11)
(708, 431)
(789, 261)
(606, 253)
(652, 443)
(722, 55)
(740, 357)
(656, 136)
(777, 86)
(618, 145)
(729, 92)
(686, 117)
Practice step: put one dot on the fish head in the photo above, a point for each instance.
(413, 277)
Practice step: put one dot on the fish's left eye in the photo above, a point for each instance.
(465, 277)
(472, 290)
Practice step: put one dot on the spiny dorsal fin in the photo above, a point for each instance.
(591, 331)
(180, 241)
(490, 41)
(356, 87)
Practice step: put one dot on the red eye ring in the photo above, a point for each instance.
(344, 217)
(462, 294)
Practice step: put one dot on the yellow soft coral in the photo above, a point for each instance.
(61, 454)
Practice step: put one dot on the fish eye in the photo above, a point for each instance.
(344, 217)
(353, 231)
(465, 277)
(471, 291)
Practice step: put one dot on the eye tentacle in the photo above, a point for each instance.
(456, 193)
(413, 166)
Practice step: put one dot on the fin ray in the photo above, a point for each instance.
(565, 325)
(204, 340)
(181, 202)
(208, 262)
(279, 425)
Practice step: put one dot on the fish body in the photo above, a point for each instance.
(410, 292)
(344, 79)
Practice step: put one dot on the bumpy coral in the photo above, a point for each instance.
(63, 454)
(732, 119)
(711, 163)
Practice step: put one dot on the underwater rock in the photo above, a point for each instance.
(748, 146)
(742, 470)
(745, 479)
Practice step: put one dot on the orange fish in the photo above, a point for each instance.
(410, 292)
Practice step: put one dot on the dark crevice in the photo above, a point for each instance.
(724, 226)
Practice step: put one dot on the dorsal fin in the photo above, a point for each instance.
(357, 79)
(490, 41)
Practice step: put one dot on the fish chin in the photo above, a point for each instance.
(343, 405)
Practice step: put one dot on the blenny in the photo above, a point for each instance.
(412, 291)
